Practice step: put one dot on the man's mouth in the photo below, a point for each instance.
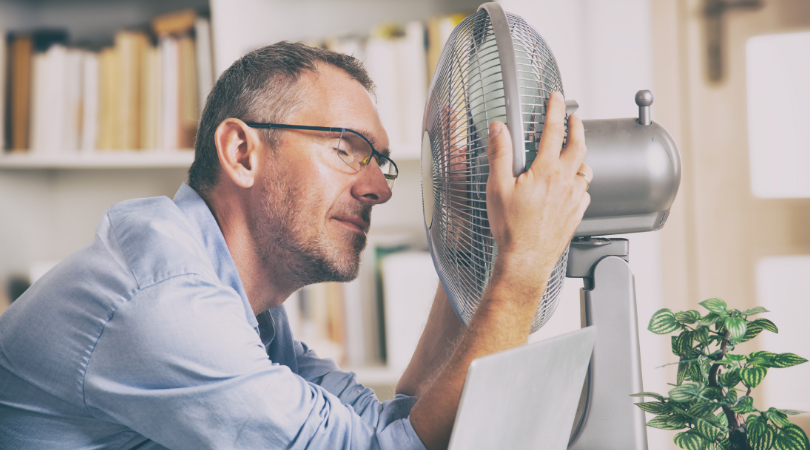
(355, 223)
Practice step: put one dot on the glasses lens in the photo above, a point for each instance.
(356, 153)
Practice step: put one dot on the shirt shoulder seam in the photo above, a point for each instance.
(110, 316)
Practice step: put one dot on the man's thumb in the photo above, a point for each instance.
(499, 152)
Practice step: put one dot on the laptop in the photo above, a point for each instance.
(524, 398)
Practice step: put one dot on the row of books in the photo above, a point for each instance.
(144, 92)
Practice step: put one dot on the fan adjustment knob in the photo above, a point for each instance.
(644, 99)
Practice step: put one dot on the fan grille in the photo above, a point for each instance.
(465, 95)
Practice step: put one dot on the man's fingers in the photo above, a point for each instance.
(499, 153)
(574, 152)
(548, 151)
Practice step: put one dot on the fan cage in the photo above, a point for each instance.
(466, 94)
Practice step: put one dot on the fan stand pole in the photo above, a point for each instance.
(607, 418)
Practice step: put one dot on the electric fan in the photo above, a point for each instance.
(495, 66)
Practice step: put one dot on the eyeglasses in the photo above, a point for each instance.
(350, 147)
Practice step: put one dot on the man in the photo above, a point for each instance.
(167, 330)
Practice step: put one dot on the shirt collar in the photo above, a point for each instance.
(195, 208)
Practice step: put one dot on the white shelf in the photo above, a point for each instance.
(375, 375)
(111, 159)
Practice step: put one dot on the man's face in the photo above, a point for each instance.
(310, 215)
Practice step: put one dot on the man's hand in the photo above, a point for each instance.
(533, 217)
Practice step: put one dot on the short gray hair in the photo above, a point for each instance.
(260, 87)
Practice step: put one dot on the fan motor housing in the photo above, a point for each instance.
(637, 171)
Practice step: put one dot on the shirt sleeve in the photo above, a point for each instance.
(179, 364)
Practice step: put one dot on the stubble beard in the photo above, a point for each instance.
(290, 241)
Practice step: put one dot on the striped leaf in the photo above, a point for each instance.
(682, 368)
(690, 316)
(743, 406)
(755, 427)
(791, 437)
(779, 418)
(703, 409)
(685, 392)
(716, 306)
(792, 412)
(766, 325)
(690, 440)
(730, 378)
(663, 322)
(674, 422)
(707, 430)
(752, 376)
(694, 373)
(701, 335)
(764, 438)
(735, 357)
(751, 331)
(709, 319)
(721, 419)
(787, 360)
(656, 408)
(713, 393)
(736, 328)
(757, 310)
(658, 397)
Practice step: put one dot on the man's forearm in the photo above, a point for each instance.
(502, 321)
(439, 339)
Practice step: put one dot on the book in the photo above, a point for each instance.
(205, 60)
(3, 68)
(168, 119)
(108, 93)
(129, 46)
(150, 97)
(176, 22)
(188, 109)
(20, 56)
(90, 101)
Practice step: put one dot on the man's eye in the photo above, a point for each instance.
(340, 152)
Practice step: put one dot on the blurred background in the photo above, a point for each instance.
(100, 100)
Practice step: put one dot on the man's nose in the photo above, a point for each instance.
(371, 186)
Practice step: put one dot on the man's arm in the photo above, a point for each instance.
(532, 218)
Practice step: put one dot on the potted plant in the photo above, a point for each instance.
(711, 397)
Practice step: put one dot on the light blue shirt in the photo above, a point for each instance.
(145, 339)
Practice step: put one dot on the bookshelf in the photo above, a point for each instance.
(118, 159)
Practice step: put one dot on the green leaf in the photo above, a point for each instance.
(721, 418)
(761, 436)
(787, 360)
(707, 430)
(731, 397)
(658, 397)
(685, 392)
(663, 322)
(791, 437)
(792, 412)
(709, 319)
(675, 422)
(735, 357)
(716, 306)
(656, 408)
(690, 316)
(752, 376)
(757, 310)
(730, 378)
(752, 330)
(776, 417)
(705, 365)
(690, 440)
(703, 409)
(682, 368)
(761, 359)
(712, 393)
(744, 405)
(701, 335)
(736, 327)
(766, 325)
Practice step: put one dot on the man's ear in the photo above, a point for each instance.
(238, 149)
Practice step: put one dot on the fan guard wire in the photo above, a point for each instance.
(466, 94)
